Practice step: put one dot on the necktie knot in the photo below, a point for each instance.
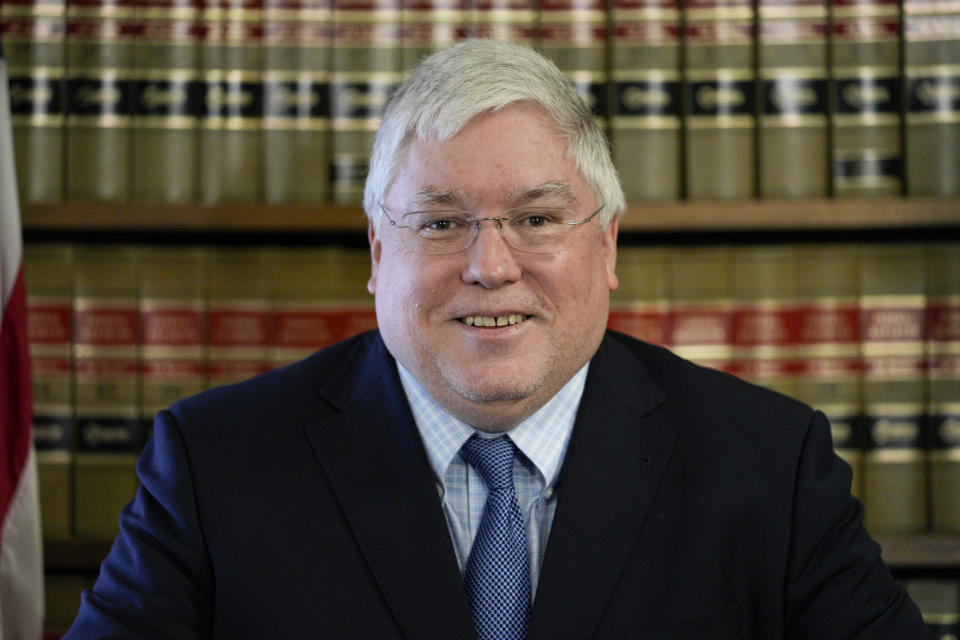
(493, 459)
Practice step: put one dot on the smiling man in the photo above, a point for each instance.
(493, 463)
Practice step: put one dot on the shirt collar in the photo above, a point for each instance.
(543, 437)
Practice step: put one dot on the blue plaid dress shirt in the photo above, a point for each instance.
(542, 440)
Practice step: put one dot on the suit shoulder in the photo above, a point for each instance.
(285, 387)
(693, 387)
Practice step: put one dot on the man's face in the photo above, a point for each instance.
(493, 377)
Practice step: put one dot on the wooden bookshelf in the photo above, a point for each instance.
(754, 215)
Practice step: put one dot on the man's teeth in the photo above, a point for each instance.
(494, 321)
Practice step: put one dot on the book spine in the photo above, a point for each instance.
(701, 309)
(792, 136)
(305, 302)
(828, 345)
(719, 99)
(239, 313)
(99, 99)
(573, 33)
(429, 25)
(106, 361)
(931, 32)
(166, 102)
(892, 309)
(509, 20)
(939, 601)
(943, 385)
(33, 35)
(765, 316)
(296, 102)
(645, 103)
(172, 327)
(640, 306)
(48, 270)
(366, 69)
(865, 58)
(231, 110)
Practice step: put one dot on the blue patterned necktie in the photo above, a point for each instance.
(497, 577)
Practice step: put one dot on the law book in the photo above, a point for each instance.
(305, 302)
(296, 101)
(62, 592)
(107, 385)
(892, 311)
(509, 20)
(173, 322)
(701, 305)
(645, 121)
(719, 99)
(231, 110)
(931, 48)
(48, 270)
(792, 129)
(366, 62)
(166, 101)
(99, 99)
(356, 307)
(640, 305)
(428, 25)
(34, 37)
(865, 108)
(573, 33)
(939, 602)
(764, 331)
(943, 384)
(828, 345)
(239, 312)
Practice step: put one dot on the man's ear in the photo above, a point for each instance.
(609, 243)
(375, 250)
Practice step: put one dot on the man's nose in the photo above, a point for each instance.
(491, 262)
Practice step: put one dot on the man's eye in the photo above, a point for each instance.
(436, 225)
(535, 219)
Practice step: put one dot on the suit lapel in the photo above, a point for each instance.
(618, 452)
(390, 498)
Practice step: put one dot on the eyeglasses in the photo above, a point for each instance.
(531, 229)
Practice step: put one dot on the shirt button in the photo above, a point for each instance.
(548, 493)
(440, 490)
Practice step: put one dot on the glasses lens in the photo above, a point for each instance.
(538, 230)
(439, 231)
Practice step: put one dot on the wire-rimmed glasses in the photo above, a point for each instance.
(531, 229)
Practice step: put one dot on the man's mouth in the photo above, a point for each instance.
(494, 321)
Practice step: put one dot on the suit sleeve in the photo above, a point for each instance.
(157, 580)
(837, 583)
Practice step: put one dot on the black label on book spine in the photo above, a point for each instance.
(787, 95)
(868, 94)
(168, 98)
(939, 94)
(649, 97)
(52, 432)
(359, 100)
(38, 95)
(894, 432)
(867, 166)
(292, 99)
(109, 435)
(102, 96)
(944, 431)
(721, 97)
(232, 99)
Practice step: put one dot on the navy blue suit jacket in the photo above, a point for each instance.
(301, 505)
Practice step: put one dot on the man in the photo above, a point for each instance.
(355, 495)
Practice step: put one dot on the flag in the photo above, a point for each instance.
(21, 557)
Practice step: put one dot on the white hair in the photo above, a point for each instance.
(454, 85)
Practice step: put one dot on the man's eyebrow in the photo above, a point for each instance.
(431, 197)
(556, 188)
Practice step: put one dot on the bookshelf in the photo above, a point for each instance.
(719, 216)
